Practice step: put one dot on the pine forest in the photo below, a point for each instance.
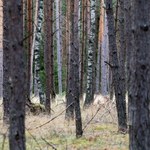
(74, 74)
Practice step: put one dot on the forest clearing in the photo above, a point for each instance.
(100, 131)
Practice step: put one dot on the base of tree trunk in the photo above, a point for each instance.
(35, 108)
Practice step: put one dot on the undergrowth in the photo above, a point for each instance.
(100, 133)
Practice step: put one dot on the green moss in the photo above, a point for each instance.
(37, 108)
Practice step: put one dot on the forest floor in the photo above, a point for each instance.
(54, 133)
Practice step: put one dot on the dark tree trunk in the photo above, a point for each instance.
(48, 15)
(29, 34)
(121, 43)
(121, 47)
(67, 44)
(120, 102)
(75, 50)
(139, 76)
(6, 61)
(73, 102)
(82, 49)
(70, 84)
(13, 13)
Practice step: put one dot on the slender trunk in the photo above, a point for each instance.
(6, 62)
(121, 46)
(48, 15)
(75, 50)
(73, 85)
(33, 45)
(104, 59)
(29, 33)
(82, 49)
(90, 54)
(59, 47)
(95, 8)
(100, 39)
(1, 54)
(38, 38)
(70, 85)
(120, 102)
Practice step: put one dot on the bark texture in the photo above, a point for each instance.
(7, 62)
(73, 102)
(70, 70)
(15, 86)
(36, 47)
(121, 45)
(104, 58)
(1, 54)
(59, 46)
(139, 75)
(29, 42)
(90, 54)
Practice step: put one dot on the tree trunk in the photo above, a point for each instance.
(48, 15)
(38, 38)
(14, 69)
(1, 55)
(73, 103)
(104, 59)
(82, 49)
(6, 61)
(29, 42)
(75, 50)
(121, 46)
(120, 102)
(33, 46)
(67, 42)
(59, 47)
(90, 54)
(100, 35)
(70, 86)
(139, 75)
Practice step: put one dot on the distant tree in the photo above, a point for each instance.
(48, 46)
(29, 47)
(104, 57)
(36, 50)
(35, 20)
(67, 42)
(114, 64)
(59, 45)
(90, 52)
(14, 69)
(139, 73)
(100, 33)
(82, 49)
(70, 71)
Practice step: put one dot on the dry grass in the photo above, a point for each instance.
(100, 134)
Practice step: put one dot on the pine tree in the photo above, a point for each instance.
(114, 64)
(139, 75)
(14, 70)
